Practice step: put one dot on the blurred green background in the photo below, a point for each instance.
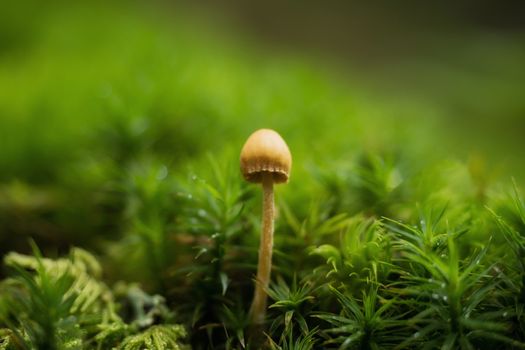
(98, 96)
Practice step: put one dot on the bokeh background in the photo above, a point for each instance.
(101, 101)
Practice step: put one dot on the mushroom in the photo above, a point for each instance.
(265, 159)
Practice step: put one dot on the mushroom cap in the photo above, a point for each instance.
(265, 152)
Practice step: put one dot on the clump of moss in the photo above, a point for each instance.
(62, 304)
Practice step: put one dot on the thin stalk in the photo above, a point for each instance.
(264, 267)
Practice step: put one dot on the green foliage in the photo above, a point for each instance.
(512, 227)
(387, 236)
(61, 304)
(459, 308)
(57, 303)
(306, 342)
(363, 249)
(291, 304)
(370, 324)
(215, 237)
(156, 337)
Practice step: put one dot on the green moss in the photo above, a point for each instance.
(120, 133)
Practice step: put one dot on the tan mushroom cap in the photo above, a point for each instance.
(266, 152)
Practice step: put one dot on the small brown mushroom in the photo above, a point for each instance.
(265, 159)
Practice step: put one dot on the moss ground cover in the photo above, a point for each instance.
(125, 222)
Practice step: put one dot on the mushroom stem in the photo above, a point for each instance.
(264, 267)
